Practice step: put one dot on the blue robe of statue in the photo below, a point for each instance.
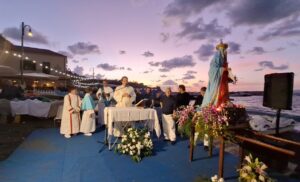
(87, 103)
(215, 74)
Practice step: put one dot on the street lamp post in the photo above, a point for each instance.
(23, 27)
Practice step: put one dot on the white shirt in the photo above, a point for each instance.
(124, 101)
(107, 90)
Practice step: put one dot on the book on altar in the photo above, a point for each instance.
(141, 103)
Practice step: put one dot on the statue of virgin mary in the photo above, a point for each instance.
(217, 90)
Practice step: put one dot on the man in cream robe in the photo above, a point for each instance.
(70, 122)
(124, 96)
(88, 124)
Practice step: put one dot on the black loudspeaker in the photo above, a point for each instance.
(278, 91)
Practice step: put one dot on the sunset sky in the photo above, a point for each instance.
(163, 42)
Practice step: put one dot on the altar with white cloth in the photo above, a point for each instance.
(129, 114)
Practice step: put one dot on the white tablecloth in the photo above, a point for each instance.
(117, 114)
(35, 108)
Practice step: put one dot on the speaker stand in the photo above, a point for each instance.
(277, 121)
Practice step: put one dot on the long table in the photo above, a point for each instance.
(129, 114)
(35, 108)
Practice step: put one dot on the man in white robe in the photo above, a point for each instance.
(105, 95)
(124, 96)
(70, 122)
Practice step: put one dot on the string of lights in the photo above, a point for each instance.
(59, 72)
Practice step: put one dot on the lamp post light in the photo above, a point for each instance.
(23, 28)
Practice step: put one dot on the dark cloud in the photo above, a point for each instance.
(163, 70)
(122, 52)
(234, 48)
(270, 65)
(151, 63)
(185, 8)
(177, 62)
(163, 76)
(107, 67)
(169, 83)
(191, 72)
(164, 37)
(198, 30)
(75, 61)
(257, 50)
(82, 48)
(280, 49)
(66, 53)
(129, 69)
(78, 70)
(258, 12)
(148, 71)
(15, 33)
(288, 28)
(189, 75)
(148, 54)
(205, 51)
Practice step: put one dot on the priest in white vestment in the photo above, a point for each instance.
(70, 122)
(88, 124)
(105, 95)
(124, 96)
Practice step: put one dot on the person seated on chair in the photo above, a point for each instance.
(71, 113)
(88, 124)
(168, 104)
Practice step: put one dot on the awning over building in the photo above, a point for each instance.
(39, 76)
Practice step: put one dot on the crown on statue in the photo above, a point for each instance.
(222, 45)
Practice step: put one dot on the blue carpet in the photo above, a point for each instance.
(46, 156)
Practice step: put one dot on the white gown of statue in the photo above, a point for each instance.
(124, 101)
(70, 121)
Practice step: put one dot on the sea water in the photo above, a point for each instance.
(254, 104)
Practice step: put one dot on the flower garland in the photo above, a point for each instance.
(136, 143)
(212, 121)
(184, 117)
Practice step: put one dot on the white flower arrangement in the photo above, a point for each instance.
(215, 178)
(254, 171)
(136, 143)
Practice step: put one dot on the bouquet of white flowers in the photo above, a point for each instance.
(136, 143)
(253, 170)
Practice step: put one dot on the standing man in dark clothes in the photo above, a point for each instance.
(148, 95)
(199, 98)
(182, 98)
(168, 105)
(139, 96)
